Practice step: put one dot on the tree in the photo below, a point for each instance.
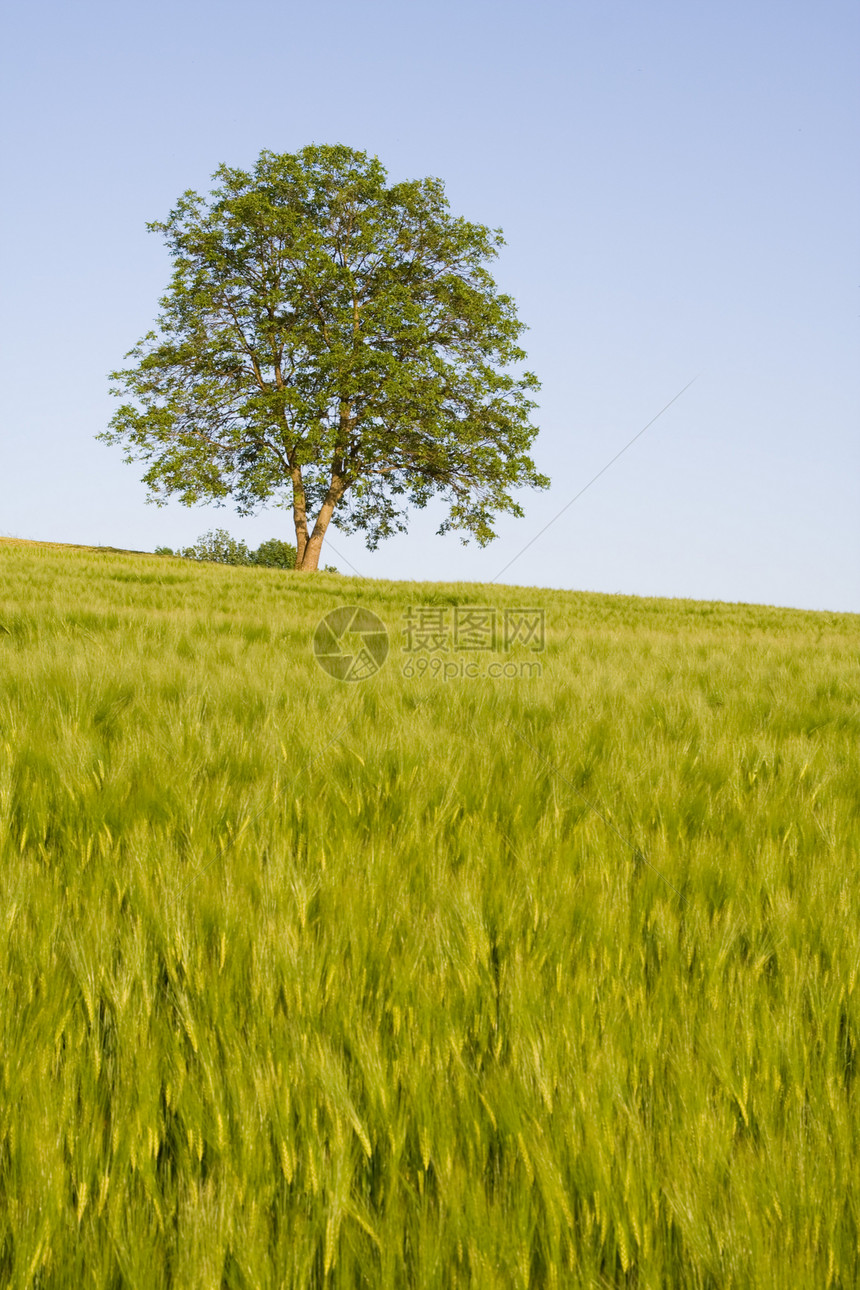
(275, 554)
(332, 342)
(218, 547)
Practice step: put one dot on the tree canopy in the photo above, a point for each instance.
(332, 342)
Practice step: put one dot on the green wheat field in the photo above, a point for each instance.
(541, 981)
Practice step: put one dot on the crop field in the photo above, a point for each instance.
(547, 977)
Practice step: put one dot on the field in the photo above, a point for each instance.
(536, 980)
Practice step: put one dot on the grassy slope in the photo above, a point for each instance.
(306, 982)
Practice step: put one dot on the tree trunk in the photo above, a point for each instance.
(311, 559)
(300, 516)
(311, 554)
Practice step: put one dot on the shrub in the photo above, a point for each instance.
(218, 547)
(275, 554)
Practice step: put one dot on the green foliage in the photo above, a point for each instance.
(275, 554)
(218, 547)
(315, 985)
(335, 342)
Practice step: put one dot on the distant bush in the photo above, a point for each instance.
(218, 547)
(275, 554)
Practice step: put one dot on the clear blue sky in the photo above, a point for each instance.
(678, 186)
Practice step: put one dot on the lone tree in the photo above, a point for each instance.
(334, 342)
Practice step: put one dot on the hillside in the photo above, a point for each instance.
(542, 977)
